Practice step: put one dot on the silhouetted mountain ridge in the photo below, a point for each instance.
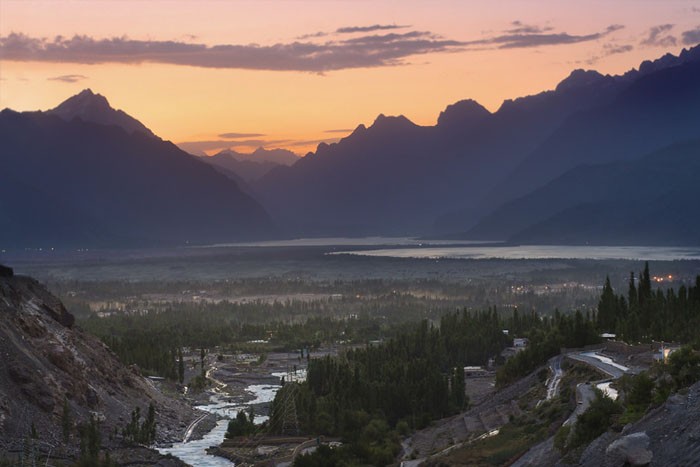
(647, 200)
(245, 167)
(395, 177)
(95, 108)
(78, 183)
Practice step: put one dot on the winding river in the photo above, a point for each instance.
(194, 452)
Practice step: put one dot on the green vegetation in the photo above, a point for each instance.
(90, 445)
(154, 340)
(139, 432)
(641, 392)
(644, 315)
(595, 421)
(369, 393)
(242, 425)
(66, 421)
(534, 425)
(546, 338)
(146, 323)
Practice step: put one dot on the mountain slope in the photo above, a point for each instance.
(671, 431)
(95, 108)
(114, 188)
(658, 109)
(648, 200)
(261, 155)
(250, 167)
(47, 362)
(395, 177)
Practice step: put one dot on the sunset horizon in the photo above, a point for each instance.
(312, 72)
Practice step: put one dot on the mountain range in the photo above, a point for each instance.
(395, 177)
(250, 167)
(651, 200)
(85, 175)
(547, 168)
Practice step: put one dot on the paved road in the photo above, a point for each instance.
(602, 363)
(584, 396)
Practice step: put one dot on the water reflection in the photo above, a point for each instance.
(635, 253)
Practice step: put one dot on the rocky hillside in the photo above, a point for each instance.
(53, 374)
(667, 435)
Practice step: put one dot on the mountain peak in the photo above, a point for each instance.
(92, 107)
(580, 78)
(84, 101)
(462, 113)
(392, 123)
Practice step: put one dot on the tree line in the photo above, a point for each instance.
(643, 315)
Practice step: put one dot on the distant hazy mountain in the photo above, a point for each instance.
(649, 200)
(276, 156)
(395, 177)
(92, 107)
(250, 167)
(78, 183)
(657, 109)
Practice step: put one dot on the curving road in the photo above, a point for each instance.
(602, 363)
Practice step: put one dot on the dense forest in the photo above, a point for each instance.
(153, 339)
(370, 396)
(643, 315)
(414, 378)
(147, 323)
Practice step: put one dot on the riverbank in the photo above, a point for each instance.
(246, 382)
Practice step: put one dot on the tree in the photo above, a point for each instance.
(66, 421)
(607, 308)
(180, 366)
(242, 425)
(141, 432)
(90, 443)
(459, 398)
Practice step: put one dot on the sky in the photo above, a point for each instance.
(210, 75)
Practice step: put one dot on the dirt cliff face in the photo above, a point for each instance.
(46, 362)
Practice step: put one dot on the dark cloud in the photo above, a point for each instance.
(359, 52)
(68, 78)
(522, 28)
(610, 48)
(657, 36)
(691, 37)
(349, 130)
(524, 40)
(240, 135)
(613, 49)
(374, 27)
(364, 51)
(315, 34)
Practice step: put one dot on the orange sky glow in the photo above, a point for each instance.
(293, 73)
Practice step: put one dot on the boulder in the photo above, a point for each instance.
(60, 314)
(632, 450)
(5, 271)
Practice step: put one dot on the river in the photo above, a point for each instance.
(194, 452)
